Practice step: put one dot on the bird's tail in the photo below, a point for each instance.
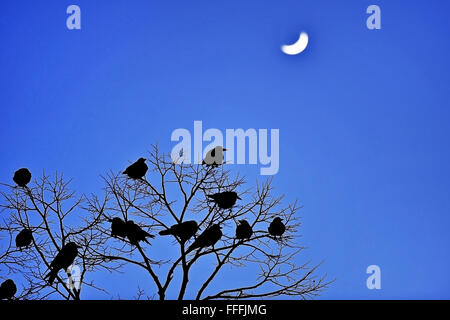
(165, 232)
(51, 276)
(149, 236)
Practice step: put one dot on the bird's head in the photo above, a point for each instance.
(218, 149)
(277, 219)
(194, 223)
(116, 220)
(142, 160)
(73, 245)
(8, 283)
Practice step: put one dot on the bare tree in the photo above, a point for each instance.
(174, 192)
(171, 193)
(54, 214)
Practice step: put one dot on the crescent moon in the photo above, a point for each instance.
(298, 46)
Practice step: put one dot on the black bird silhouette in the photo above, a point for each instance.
(243, 230)
(118, 228)
(137, 170)
(24, 238)
(209, 237)
(184, 230)
(276, 227)
(225, 200)
(7, 289)
(63, 260)
(22, 177)
(214, 157)
(135, 233)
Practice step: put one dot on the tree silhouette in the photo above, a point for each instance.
(171, 193)
(54, 215)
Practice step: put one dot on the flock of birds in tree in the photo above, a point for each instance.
(134, 233)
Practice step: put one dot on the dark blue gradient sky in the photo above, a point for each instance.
(363, 115)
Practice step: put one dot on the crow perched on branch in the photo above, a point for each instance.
(243, 230)
(135, 233)
(63, 260)
(209, 237)
(184, 230)
(137, 170)
(276, 227)
(225, 200)
(118, 228)
(24, 238)
(22, 177)
(214, 157)
(7, 289)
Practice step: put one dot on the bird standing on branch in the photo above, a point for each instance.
(135, 233)
(225, 200)
(118, 228)
(243, 230)
(137, 170)
(184, 230)
(24, 238)
(209, 237)
(277, 227)
(63, 260)
(22, 177)
(214, 157)
(7, 289)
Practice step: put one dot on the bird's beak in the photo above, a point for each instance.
(224, 149)
(239, 197)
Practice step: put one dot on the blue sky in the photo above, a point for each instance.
(363, 114)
